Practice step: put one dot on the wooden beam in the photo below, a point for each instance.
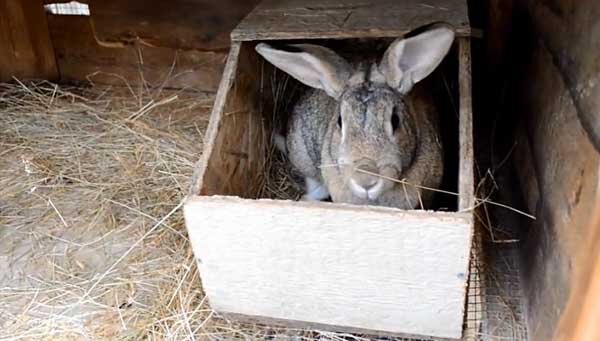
(466, 176)
(322, 19)
(25, 47)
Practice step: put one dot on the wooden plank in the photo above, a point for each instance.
(466, 176)
(80, 57)
(321, 19)
(571, 33)
(580, 318)
(587, 327)
(372, 268)
(553, 90)
(25, 47)
(562, 191)
(185, 24)
(215, 119)
(237, 137)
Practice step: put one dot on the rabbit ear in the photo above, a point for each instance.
(313, 65)
(408, 61)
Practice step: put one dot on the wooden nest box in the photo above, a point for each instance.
(339, 267)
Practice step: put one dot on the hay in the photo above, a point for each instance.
(93, 242)
(280, 180)
(84, 175)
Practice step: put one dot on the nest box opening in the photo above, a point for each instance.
(281, 181)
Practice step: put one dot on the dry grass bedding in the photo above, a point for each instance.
(92, 240)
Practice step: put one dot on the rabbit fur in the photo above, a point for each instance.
(366, 132)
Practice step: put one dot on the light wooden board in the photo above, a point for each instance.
(25, 47)
(466, 178)
(238, 134)
(371, 268)
(321, 19)
(81, 57)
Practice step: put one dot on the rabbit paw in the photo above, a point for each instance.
(315, 191)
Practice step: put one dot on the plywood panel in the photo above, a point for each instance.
(184, 24)
(81, 57)
(299, 19)
(25, 46)
(372, 268)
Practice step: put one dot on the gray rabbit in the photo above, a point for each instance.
(362, 134)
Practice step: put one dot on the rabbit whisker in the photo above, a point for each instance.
(332, 165)
(478, 200)
(403, 181)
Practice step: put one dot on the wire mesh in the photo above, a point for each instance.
(494, 297)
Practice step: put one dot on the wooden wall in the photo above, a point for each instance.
(81, 57)
(25, 46)
(544, 68)
(178, 43)
(185, 24)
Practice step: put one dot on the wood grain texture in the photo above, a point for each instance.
(25, 47)
(342, 266)
(212, 130)
(558, 169)
(238, 134)
(321, 19)
(182, 24)
(466, 178)
(555, 91)
(370, 333)
(570, 31)
(580, 318)
(80, 58)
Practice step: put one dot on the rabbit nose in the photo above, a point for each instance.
(365, 175)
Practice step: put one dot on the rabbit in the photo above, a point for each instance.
(365, 132)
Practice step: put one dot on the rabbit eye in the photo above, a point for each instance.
(339, 121)
(395, 121)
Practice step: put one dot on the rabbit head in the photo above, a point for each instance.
(373, 135)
